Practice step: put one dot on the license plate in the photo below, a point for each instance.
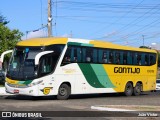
(16, 91)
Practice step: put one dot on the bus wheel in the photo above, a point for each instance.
(64, 92)
(137, 89)
(128, 89)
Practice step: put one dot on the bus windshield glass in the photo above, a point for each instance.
(22, 63)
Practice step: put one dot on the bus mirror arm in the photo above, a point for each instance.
(39, 55)
(3, 54)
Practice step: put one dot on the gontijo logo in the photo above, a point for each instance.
(126, 70)
(46, 90)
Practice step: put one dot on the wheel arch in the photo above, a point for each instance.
(141, 85)
(67, 83)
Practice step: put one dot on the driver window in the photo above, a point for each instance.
(47, 64)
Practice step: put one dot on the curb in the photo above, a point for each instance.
(108, 109)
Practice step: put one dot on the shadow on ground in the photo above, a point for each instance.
(86, 96)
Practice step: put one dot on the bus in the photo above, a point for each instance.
(67, 66)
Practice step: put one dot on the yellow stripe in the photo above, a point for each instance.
(11, 81)
(42, 41)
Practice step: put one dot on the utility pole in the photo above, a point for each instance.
(49, 18)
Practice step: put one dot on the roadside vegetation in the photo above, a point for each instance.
(8, 39)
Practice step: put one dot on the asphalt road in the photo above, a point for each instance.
(76, 102)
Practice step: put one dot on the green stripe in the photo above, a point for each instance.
(79, 44)
(90, 75)
(28, 82)
(102, 75)
(96, 75)
(25, 82)
(74, 43)
(88, 45)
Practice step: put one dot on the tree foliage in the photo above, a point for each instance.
(147, 47)
(3, 20)
(8, 37)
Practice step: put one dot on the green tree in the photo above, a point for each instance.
(8, 38)
(147, 47)
(3, 20)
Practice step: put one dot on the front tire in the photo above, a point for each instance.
(137, 89)
(64, 92)
(128, 89)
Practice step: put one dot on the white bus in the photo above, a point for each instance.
(65, 66)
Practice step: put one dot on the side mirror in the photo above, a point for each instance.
(39, 55)
(3, 54)
(2, 57)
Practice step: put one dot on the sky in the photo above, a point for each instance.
(125, 22)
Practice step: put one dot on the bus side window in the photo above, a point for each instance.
(111, 60)
(73, 54)
(143, 59)
(79, 52)
(105, 56)
(46, 64)
(117, 58)
(89, 55)
(146, 59)
(121, 57)
(135, 57)
(94, 55)
(83, 54)
(139, 61)
(100, 55)
(124, 57)
(129, 58)
(152, 59)
(67, 56)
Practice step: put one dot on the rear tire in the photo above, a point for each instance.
(128, 89)
(137, 89)
(64, 92)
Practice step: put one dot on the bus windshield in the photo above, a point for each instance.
(22, 63)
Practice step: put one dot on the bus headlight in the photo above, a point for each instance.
(35, 83)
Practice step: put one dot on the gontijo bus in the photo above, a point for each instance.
(65, 66)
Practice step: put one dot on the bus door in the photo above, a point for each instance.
(45, 71)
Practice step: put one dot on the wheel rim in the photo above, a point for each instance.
(62, 91)
(128, 89)
(138, 89)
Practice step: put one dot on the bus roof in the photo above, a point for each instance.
(104, 44)
(85, 42)
(42, 41)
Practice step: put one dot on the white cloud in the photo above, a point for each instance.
(110, 34)
(36, 34)
(155, 46)
(66, 35)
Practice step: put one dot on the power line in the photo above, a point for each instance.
(131, 23)
(117, 20)
(76, 4)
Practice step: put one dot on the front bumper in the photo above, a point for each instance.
(14, 89)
